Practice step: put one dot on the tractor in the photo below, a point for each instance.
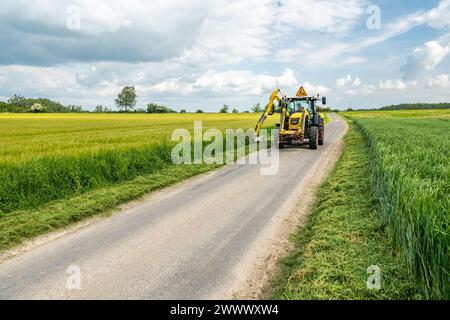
(299, 119)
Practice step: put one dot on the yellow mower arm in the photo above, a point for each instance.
(269, 110)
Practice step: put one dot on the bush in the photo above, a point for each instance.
(37, 108)
(4, 107)
(156, 108)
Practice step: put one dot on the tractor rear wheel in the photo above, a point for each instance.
(313, 137)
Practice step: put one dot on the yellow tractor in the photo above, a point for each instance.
(299, 119)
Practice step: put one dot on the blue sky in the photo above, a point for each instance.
(202, 54)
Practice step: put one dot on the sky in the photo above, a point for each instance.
(203, 54)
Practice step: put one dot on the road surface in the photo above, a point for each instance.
(195, 241)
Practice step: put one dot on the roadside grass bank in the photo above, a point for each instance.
(344, 236)
(25, 224)
(87, 186)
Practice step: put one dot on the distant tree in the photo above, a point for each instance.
(21, 104)
(140, 110)
(199, 111)
(74, 108)
(235, 110)
(183, 111)
(37, 108)
(156, 108)
(224, 109)
(126, 100)
(246, 111)
(415, 106)
(350, 109)
(4, 107)
(323, 109)
(101, 108)
(49, 105)
(257, 108)
(17, 101)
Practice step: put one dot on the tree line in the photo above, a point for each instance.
(127, 99)
(20, 104)
(125, 102)
(408, 106)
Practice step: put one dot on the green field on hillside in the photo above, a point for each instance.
(385, 204)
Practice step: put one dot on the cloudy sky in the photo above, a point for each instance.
(202, 54)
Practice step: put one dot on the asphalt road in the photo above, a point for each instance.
(187, 243)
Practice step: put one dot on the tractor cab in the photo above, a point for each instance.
(305, 104)
(298, 105)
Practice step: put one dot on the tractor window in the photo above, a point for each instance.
(299, 105)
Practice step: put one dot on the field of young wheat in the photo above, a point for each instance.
(44, 157)
(410, 172)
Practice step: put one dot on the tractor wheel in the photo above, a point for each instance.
(321, 134)
(313, 137)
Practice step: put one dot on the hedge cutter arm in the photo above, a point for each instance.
(270, 109)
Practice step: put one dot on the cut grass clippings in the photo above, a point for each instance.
(343, 237)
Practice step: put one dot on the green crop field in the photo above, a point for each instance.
(411, 176)
(386, 204)
(30, 136)
(57, 157)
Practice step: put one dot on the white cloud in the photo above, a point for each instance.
(344, 82)
(231, 32)
(343, 53)
(228, 82)
(38, 79)
(196, 32)
(353, 86)
(330, 16)
(440, 81)
(425, 59)
(292, 53)
(392, 85)
(312, 89)
(439, 17)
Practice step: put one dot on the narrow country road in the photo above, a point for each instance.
(198, 240)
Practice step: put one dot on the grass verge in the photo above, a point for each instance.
(343, 237)
(326, 117)
(18, 226)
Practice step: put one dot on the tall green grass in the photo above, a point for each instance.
(31, 184)
(48, 157)
(410, 172)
